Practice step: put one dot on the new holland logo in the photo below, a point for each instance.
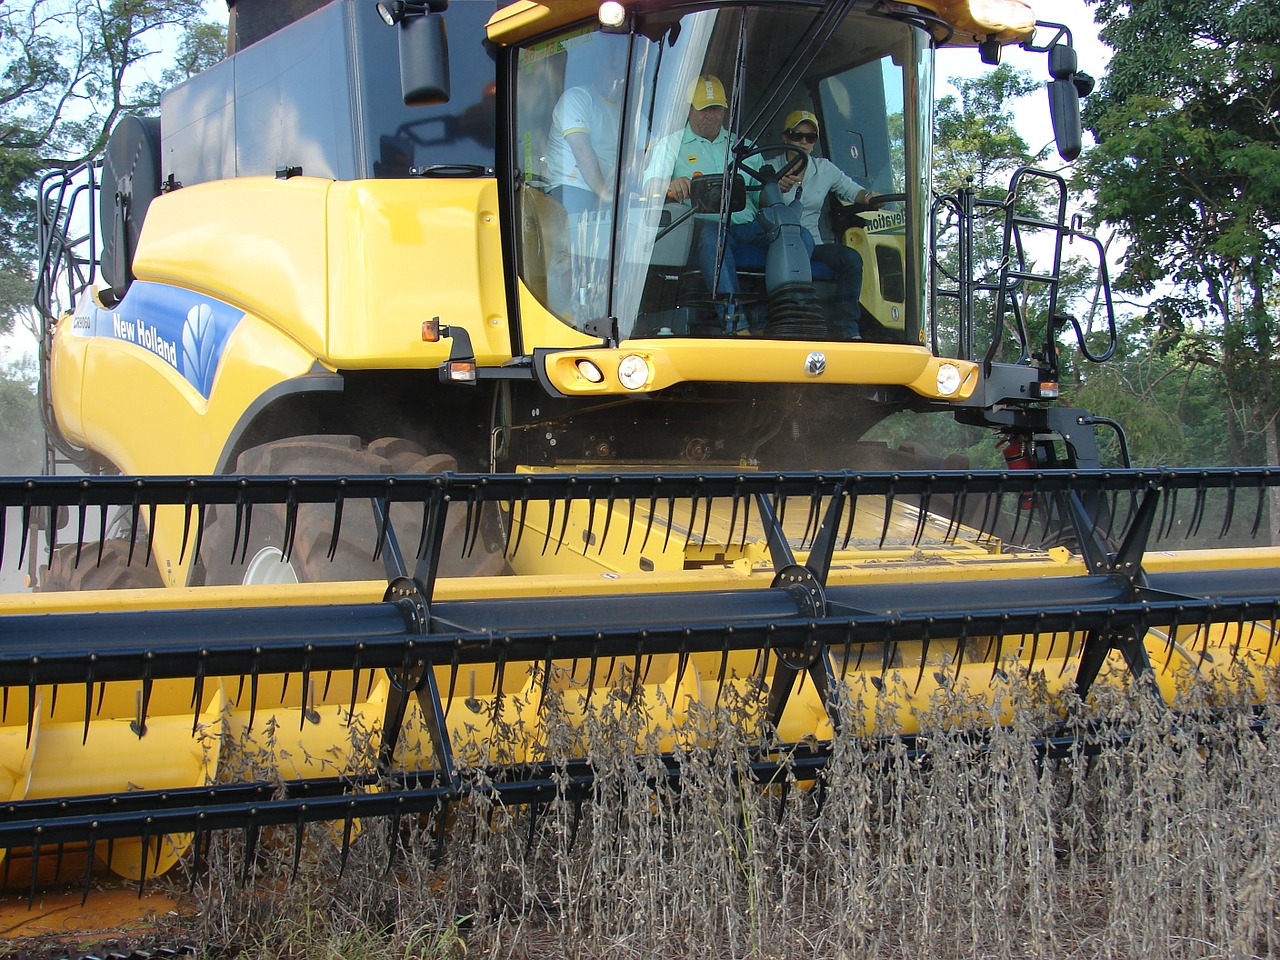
(815, 364)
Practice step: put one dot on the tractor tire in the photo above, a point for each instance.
(262, 560)
(113, 572)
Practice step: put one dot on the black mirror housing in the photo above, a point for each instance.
(1064, 110)
(424, 60)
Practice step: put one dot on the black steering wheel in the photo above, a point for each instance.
(797, 158)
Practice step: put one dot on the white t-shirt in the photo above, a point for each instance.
(821, 177)
(582, 110)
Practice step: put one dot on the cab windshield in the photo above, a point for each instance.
(727, 171)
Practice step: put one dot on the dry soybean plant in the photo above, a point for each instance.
(1161, 841)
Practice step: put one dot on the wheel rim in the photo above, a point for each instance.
(269, 566)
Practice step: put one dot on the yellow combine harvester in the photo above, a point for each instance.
(420, 384)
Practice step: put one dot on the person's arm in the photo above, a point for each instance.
(658, 169)
(846, 188)
(585, 155)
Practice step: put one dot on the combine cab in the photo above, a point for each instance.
(397, 414)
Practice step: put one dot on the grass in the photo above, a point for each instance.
(1166, 845)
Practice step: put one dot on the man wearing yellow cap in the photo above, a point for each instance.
(818, 178)
(701, 148)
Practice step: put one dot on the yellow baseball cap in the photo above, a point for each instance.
(797, 117)
(708, 91)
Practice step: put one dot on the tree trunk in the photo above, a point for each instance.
(1273, 459)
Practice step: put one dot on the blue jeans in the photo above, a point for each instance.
(846, 264)
(750, 233)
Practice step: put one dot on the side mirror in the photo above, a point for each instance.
(1064, 100)
(1064, 111)
(424, 59)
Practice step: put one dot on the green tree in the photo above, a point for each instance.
(21, 435)
(1187, 164)
(68, 71)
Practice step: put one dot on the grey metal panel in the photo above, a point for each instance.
(294, 100)
(323, 94)
(197, 122)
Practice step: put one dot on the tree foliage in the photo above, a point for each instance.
(1187, 164)
(68, 71)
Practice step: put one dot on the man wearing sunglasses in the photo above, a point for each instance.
(814, 181)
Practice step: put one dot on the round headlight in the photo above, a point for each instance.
(633, 371)
(948, 379)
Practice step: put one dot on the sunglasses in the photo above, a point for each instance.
(799, 137)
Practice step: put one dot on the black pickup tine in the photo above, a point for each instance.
(724, 667)
(81, 510)
(135, 514)
(453, 680)
(551, 519)
(88, 697)
(299, 828)
(142, 857)
(999, 654)
(954, 513)
(347, 823)
(188, 503)
(733, 521)
(682, 660)
(31, 705)
(251, 831)
(24, 535)
(631, 523)
(888, 513)
(240, 539)
(518, 525)
(587, 537)
(339, 501)
(924, 649)
(1230, 508)
(1168, 513)
(470, 525)
(253, 691)
(200, 524)
(91, 843)
(1258, 513)
(102, 534)
(852, 487)
(564, 520)
(813, 520)
(151, 532)
(922, 518)
(355, 685)
(383, 512)
(291, 522)
(35, 868)
(693, 519)
(706, 522)
(393, 836)
(1197, 512)
(671, 521)
(653, 507)
(197, 691)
